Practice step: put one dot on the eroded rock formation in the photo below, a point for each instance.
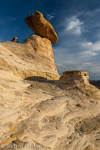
(34, 57)
(77, 79)
(38, 114)
(41, 26)
(15, 39)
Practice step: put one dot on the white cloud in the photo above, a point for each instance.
(93, 54)
(59, 64)
(93, 46)
(88, 54)
(95, 69)
(87, 63)
(49, 17)
(74, 25)
(96, 46)
(91, 13)
(12, 19)
(89, 43)
(90, 49)
(86, 45)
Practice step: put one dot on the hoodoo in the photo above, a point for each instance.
(33, 57)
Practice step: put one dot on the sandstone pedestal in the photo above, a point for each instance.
(34, 57)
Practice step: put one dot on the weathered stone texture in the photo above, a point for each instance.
(41, 26)
(77, 79)
(15, 39)
(34, 57)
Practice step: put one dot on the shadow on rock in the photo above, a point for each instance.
(41, 79)
(42, 83)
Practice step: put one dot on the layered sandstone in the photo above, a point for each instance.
(34, 57)
(37, 114)
(41, 26)
(77, 79)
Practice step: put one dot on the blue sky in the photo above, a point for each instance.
(77, 23)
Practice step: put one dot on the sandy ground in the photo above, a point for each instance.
(37, 114)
